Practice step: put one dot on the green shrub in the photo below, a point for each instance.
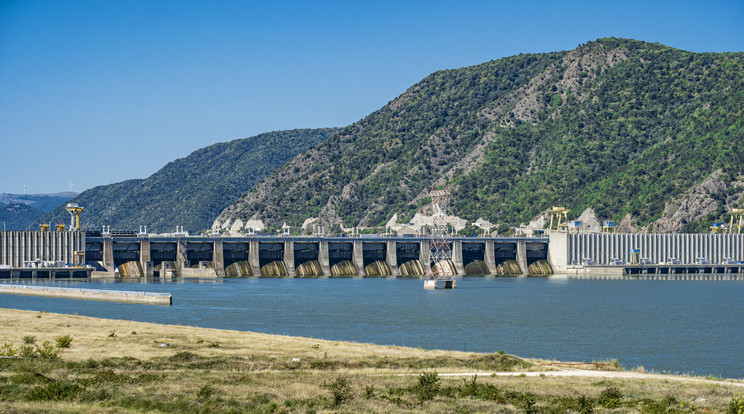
(610, 397)
(528, 404)
(27, 352)
(63, 341)
(584, 405)
(184, 356)
(47, 351)
(666, 405)
(428, 385)
(205, 393)
(55, 391)
(28, 378)
(7, 350)
(341, 390)
(29, 339)
(736, 406)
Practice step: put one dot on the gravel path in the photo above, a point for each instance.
(595, 374)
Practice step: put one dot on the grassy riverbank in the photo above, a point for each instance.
(122, 366)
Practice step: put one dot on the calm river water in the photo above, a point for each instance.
(676, 326)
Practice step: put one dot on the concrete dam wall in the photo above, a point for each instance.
(267, 256)
(376, 256)
(568, 250)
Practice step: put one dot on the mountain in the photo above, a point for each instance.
(21, 211)
(191, 191)
(43, 202)
(18, 216)
(642, 133)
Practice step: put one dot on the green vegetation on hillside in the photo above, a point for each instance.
(380, 164)
(619, 125)
(21, 211)
(652, 127)
(18, 216)
(192, 191)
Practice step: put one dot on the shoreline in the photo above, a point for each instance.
(117, 359)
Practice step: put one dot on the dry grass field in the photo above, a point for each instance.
(115, 366)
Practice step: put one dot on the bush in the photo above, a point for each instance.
(610, 397)
(7, 350)
(27, 352)
(29, 378)
(584, 405)
(47, 351)
(29, 339)
(63, 341)
(528, 405)
(428, 385)
(341, 390)
(55, 391)
(205, 393)
(736, 406)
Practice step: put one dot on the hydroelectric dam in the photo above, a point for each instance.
(24, 253)
(45, 254)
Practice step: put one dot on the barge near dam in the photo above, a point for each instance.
(24, 253)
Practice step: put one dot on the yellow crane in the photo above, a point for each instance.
(559, 216)
(734, 213)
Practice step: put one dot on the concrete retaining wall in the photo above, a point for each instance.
(147, 298)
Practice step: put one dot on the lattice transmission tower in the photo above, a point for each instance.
(440, 266)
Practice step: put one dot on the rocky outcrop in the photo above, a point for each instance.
(696, 204)
(589, 221)
(628, 224)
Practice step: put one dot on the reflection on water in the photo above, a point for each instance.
(676, 326)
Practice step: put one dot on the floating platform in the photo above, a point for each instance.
(146, 298)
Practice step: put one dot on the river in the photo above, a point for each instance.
(694, 327)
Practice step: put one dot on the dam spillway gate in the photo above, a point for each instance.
(305, 256)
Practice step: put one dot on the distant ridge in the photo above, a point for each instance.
(43, 202)
(21, 211)
(193, 190)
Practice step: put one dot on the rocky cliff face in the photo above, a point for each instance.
(713, 198)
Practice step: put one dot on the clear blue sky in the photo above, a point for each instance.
(94, 92)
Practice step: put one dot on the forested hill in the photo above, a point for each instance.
(638, 131)
(18, 216)
(191, 191)
(21, 211)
